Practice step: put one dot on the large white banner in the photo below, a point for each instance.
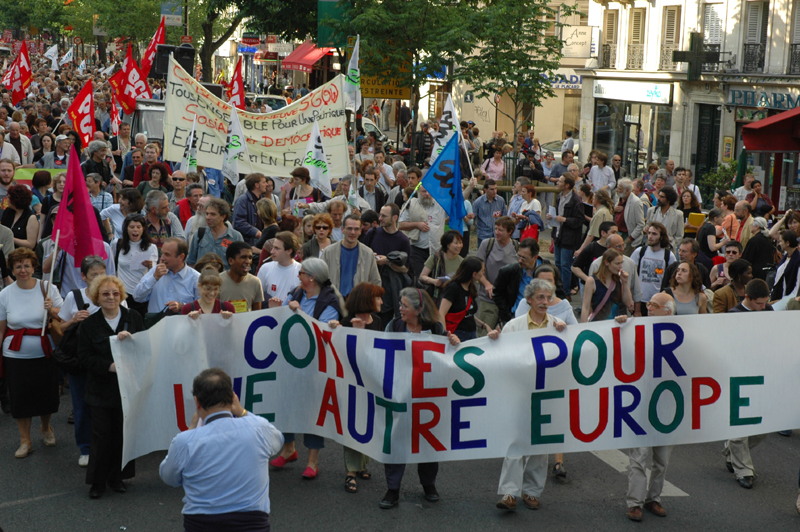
(276, 141)
(403, 398)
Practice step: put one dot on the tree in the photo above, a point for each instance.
(217, 27)
(514, 57)
(290, 19)
(408, 40)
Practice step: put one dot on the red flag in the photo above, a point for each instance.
(114, 116)
(17, 91)
(24, 64)
(9, 73)
(129, 84)
(80, 234)
(150, 53)
(81, 112)
(237, 87)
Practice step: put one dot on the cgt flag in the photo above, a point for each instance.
(316, 162)
(150, 53)
(115, 118)
(128, 84)
(81, 112)
(443, 183)
(236, 88)
(80, 234)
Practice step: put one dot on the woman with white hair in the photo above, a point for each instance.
(319, 299)
(759, 251)
(526, 475)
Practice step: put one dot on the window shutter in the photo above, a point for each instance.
(637, 26)
(712, 23)
(796, 23)
(672, 16)
(610, 28)
(764, 23)
(753, 24)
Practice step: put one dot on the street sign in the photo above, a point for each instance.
(371, 87)
(272, 39)
(281, 47)
(172, 11)
(251, 39)
(77, 40)
(186, 39)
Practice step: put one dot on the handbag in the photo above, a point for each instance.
(151, 318)
(603, 301)
(532, 231)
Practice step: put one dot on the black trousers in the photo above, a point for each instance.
(418, 258)
(105, 454)
(427, 474)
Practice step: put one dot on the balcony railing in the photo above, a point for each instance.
(665, 62)
(711, 67)
(753, 57)
(609, 56)
(794, 60)
(635, 56)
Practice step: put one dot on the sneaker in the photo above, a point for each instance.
(531, 503)
(508, 502)
(83, 461)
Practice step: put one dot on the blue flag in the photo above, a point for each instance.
(443, 183)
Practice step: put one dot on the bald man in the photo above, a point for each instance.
(615, 241)
(641, 492)
(742, 213)
(669, 166)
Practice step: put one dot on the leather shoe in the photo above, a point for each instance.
(431, 495)
(71, 418)
(118, 486)
(655, 508)
(531, 503)
(281, 461)
(5, 405)
(729, 466)
(508, 502)
(24, 450)
(96, 491)
(390, 499)
(746, 482)
(634, 513)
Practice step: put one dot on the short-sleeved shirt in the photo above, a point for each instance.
(459, 298)
(279, 281)
(243, 294)
(602, 215)
(498, 257)
(450, 266)
(24, 309)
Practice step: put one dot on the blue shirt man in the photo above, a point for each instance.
(170, 283)
(222, 461)
(488, 208)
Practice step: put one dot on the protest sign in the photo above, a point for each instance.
(407, 398)
(276, 141)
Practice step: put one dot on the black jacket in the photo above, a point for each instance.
(506, 289)
(568, 236)
(789, 276)
(760, 253)
(89, 166)
(380, 196)
(94, 353)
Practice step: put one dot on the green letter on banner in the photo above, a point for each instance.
(737, 401)
(602, 357)
(652, 414)
(538, 419)
(299, 363)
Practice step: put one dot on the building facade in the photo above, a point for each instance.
(638, 103)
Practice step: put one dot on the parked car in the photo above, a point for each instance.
(370, 126)
(555, 147)
(273, 101)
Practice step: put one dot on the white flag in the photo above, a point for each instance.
(107, 72)
(317, 163)
(352, 81)
(189, 162)
(82, 66)
(52, 55)
(235, 147)
(67, 57)
(448, 126)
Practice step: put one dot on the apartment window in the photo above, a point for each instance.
(755, 36)
(583, 7)
(610, 24)
(670, 37)
(636, 39)
(713, 28)
(794, 58)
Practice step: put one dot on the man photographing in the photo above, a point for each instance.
(224, 490)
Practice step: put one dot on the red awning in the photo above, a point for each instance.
(776, 134)
(304, 57)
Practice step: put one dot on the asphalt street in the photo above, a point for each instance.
(45, 492)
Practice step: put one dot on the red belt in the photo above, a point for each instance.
(16, 343)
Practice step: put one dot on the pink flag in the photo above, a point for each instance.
(80, 234)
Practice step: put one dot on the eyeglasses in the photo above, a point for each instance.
(179, 179)
(321, 227)
(114, 295)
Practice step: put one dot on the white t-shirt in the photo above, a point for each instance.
(115, 216)
(532, 205)
(652, 270)
(114, 322)
(24, 309)
(69, 308)
(130, 269)
(278, 281)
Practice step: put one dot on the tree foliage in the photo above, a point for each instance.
(290, 19)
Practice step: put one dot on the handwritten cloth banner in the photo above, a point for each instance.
(276, 141)
(406, 398)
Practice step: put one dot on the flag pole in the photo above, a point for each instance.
(411, 196)
(52, 271)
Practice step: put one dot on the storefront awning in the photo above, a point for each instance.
(775, 134)
(304, 57)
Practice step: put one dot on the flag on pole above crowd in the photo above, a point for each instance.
(236, 145)
(128, 84)
(19, 76)
(80, 233)
(189, 162)
(115, 119)
(52, 55)
(448, 126)
(352, 81)
(82, 66)
(107, 72)
(81, 112)
(316, 162)
(443, 183)
(150, 53)
(235, 89)
(67, 57)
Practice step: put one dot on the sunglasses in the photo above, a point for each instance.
(323, 227)
(179, 179)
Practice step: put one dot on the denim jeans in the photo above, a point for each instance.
(564, 258)
(83, 418)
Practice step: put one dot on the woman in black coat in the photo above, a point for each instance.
(102, 387)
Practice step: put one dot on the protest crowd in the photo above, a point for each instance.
(381, 252)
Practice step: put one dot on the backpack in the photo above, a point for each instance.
(490, 245)
(642, 249)
(66, 352)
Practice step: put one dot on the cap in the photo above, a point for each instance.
(470, 122)
(61, 137)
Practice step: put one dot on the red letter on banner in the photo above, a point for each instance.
(421, 367)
